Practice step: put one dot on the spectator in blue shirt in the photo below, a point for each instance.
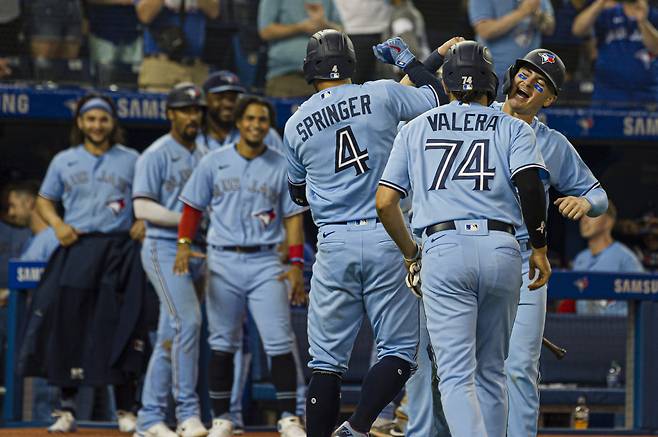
(114, 33)
(627, 43)
(604, 254)
(286, 26)
(174, 37)
(510, 28)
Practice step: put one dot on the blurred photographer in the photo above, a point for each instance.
(626, 69)
(174, 37)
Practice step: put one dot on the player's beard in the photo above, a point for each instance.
(253, 144)
(219, 122)
(189, 134)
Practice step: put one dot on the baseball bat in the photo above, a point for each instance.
(558, 351)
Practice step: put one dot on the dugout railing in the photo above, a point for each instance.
(637, 402)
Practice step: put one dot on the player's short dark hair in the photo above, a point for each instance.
(244, 102)
(469, 96)
(78, 137)
(612, 210)
(29, 187)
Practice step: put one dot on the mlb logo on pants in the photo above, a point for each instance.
(472, 227)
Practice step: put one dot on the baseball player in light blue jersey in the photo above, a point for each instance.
(337, 145)
(22, 211)
(465, 163)
(245, 188)
(93, 182)
(222, 90)
(604, 254)
(532, 83)
(161, 173)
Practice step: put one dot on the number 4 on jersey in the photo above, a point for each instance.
(348, 153)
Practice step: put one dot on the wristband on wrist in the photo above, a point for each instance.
(415, 257)
(184, 241)
(296, 254)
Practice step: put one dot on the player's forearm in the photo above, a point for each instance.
(584, 22)
(649, 35)
(47, 210)
(153, 212)
(189, 223)
(210, 8)
(495, 28)
(148, 9)
(294, 226)
(276, 31)
(546, 24)
(533, 205)
(390, 214)
(598, 198)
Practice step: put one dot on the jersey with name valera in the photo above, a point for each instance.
(568, 174)
(459, 160)
(95, 191)
(248, 198)
(339, 140)
(161, 173)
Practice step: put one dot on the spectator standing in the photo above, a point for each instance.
(286, 26)
(604, 254)
(510, 28)
(55, 29)
(114, 33)
(626, 69)
(174, 37)
(365, 22)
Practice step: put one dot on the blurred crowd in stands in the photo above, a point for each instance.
(609, 47)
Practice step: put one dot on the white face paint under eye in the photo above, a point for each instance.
(539, 88)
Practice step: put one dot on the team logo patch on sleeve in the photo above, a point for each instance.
(116, 205)
(547, 58)
(265, 217)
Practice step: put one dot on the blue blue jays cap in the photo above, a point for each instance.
(222, 81)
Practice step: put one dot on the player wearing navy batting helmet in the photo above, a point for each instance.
(358, 271)
(466, 163)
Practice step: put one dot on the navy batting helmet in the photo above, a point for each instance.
(468, 66)
(185, 94)
(543, 61)
(329, 56)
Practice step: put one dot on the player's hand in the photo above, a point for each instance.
(573, 208)
(182, 262)
(66, 234)
(528, 7)
(539, 267)
(138, 230)
(295, 277)
(394, 51)
(443, 48)
(413, 279)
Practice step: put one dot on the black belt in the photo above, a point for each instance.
(245, 249)
(351, 221)
(492, 225)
